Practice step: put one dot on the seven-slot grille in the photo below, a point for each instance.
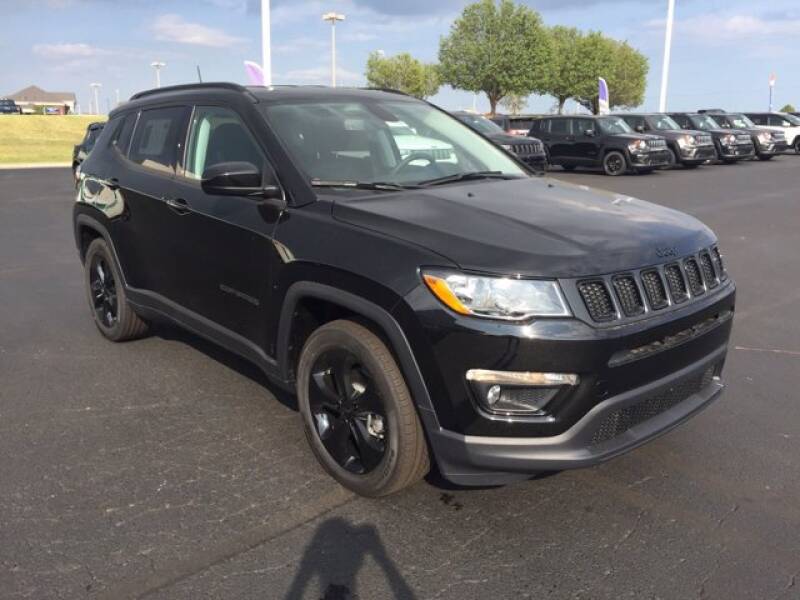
(527, 148)
(658, 144)
(625, 295)
(703, 140)
(743, 138)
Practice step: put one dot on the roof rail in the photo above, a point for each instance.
(218, 85)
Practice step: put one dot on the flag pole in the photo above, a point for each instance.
(662, 101)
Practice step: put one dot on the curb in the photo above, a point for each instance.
(9, 166)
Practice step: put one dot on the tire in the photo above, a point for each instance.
(614, 163)
(343, 355)
(671, 158)
(568, 167)
(111, 312)
(797, 146)
(690, 165)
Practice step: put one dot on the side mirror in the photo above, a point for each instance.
(240, 179)
(589, 133)
(639, 128)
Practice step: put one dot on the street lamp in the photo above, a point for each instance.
(157, 65)
(662, 101)
(333, 17)
(266, 58)
(95, 88)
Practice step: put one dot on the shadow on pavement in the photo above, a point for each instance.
(335, 555)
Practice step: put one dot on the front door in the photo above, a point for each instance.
(585, 149)
(226, 241)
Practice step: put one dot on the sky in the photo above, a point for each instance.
(723, 50)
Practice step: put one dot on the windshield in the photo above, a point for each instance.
(613, 125)
(732, 121)
(663, 122)
(369, 140)
(703, 122)
(481, 124)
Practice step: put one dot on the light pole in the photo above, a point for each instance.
(95, 88)
(333, 17)
(266, 56)
(662, 102)
(158, 65)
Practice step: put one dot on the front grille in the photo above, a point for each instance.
(676, 283)
(708, 270)
(743, 138)
(720, 265)
(657, 144)
(598, 300)
(703, 140)
(693, 276)
(654, 288)
(623, 419)
(528, 148)
(630, 300)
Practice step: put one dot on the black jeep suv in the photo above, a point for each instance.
(528, 149)
(687, 147)
(82, 150)
(767, 141)
(731, 144)
(607, 142)
(457, 308)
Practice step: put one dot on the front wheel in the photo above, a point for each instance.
(614, 163)
(797, 146)
(357, 413)
(672, 160)
(765, 156)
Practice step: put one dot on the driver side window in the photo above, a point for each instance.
(217, 136)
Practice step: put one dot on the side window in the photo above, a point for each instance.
(121, 139)
(580, 126)
(559, 126)
(758, 119)
(682, 121)
(785, 123)
(219, 136)
(155, 141)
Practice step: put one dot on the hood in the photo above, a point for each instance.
(511, 140)
(635, 136)
(676, 133)
(537, 227)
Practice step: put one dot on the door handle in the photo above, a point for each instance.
(178, 205)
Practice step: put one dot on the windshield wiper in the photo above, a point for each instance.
(386, 186)
(468, 176)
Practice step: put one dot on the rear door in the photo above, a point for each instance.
(224, 242)
(558, 135)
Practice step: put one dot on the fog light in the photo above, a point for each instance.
(493, 395)
(518, 393)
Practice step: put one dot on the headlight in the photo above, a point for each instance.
(686, 140)
(637, 146)
(497, 297)
(728, 138)
(507, 147)
(765, 136)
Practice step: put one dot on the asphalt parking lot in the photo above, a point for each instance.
(166, 468)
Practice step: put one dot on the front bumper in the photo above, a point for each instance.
(697, 154)
(600, 435)
(536, 161)
(657, 158)
(772, 148)
(737, 151)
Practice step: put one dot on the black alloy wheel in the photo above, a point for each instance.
(104, 291)
(348, 412)
(614, 163)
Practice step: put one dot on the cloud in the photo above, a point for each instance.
(67, 51)
(173, 28)
(320, 75)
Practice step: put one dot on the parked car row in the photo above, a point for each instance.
(9, 107)
(643, 142)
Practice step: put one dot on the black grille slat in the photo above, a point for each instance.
(623, 419)
(719, 263)
(630, 300)
(676, 283)
(708, 270)
(654, 289)
(694, 277)
(597, 299)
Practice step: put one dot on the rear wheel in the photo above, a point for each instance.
(105, 291)
(358, 415)
(614, 163)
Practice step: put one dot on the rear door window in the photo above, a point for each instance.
(157, 136)
(560, 127)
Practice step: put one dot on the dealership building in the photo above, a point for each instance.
(53, 102)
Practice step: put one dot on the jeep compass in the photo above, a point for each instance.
(425, 309)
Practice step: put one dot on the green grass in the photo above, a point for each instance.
(39, 138)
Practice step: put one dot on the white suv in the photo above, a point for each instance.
(789, 124)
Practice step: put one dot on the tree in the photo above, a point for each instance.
(788, 108)
(623, 67)
(404, 73)
(569, 71)
(498, 48)
(514, 103)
